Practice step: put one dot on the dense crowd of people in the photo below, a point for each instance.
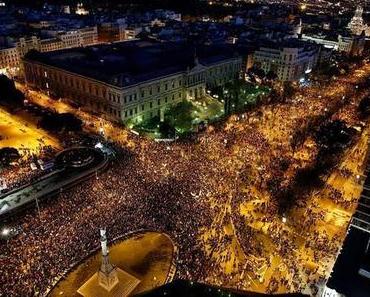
(22, 173)
(209, 195)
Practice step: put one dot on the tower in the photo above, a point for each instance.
(357, 24)
(107, 274)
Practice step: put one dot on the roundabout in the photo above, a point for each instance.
(148, 256)
(76, 157)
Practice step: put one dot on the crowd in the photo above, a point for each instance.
(195, 191)
(26, 170)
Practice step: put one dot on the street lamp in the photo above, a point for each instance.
(5, 232)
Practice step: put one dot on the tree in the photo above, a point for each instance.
(8, 155)
(333, 136)
(271, 75)
(180, 115)
(9, 94)
(167, 130)
(364, 107)
(57, 122)
(288, 89)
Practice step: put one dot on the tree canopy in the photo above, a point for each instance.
(9, 94)
(8, 155)
(180, 115)
(61, 122)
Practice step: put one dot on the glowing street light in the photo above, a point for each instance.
(5, 232)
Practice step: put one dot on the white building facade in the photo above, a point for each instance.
(10, 58)
(122, 101)
(288, 63)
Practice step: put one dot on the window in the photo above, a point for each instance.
(159, 101)
(142, 107)
(151, 104)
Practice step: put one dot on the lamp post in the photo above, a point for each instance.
(37, 205)
(6, 234)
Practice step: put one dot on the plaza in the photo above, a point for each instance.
(215, 197)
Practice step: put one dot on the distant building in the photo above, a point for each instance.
(9, 59)
(357, 24)
(289, 60)
(352, 44)
(66, 9)
(111, 32)
(321, 39)
(10, 56)
(131, 32)
(81, 10)
(132, 80)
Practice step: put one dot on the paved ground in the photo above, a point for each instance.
(23, 135)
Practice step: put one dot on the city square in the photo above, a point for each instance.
(222, 145)
(210, 197)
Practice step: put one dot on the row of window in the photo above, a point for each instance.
(223, 69)
(133, 111)
(133, 97)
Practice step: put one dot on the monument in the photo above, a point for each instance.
(110, 280)
(107, 274)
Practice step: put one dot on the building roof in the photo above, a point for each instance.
(288, 43)
(128, 63)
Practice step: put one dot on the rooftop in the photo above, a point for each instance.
(128, 63)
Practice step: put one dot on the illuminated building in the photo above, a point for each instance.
(289, 60)
(131, 80)
(357, 24)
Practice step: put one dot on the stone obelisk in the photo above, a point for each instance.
(107, 274)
